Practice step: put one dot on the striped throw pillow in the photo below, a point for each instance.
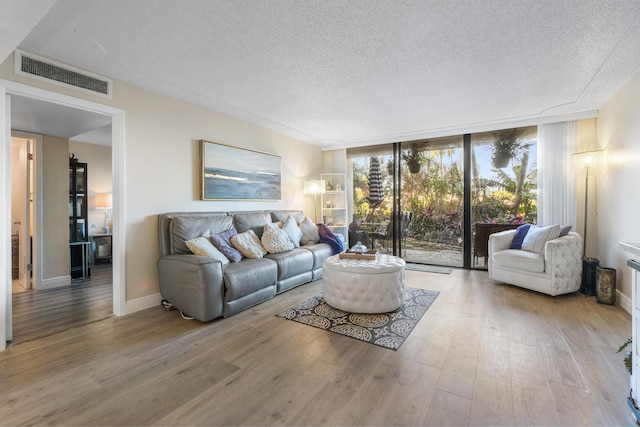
(537, 236)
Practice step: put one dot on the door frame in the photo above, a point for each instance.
(9, 88)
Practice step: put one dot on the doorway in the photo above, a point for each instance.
(11, 91)
(21, 213)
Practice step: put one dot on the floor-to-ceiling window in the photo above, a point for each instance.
(503, 184)
(432, 194)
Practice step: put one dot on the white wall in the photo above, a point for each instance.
(162, 166)
(619, 194)
(55, 211)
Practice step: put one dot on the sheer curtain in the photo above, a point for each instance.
(556, 187)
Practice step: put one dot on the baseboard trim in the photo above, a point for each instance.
(143, 303)
(624, 302)
(54, 282)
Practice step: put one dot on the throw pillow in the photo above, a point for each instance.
(290, 227)
(248, 244)
(564, 230)
(275, 240)
(327, 236)
(222, 241)
(518, 238)
(202, 246)
(537, 236)
(309, 232)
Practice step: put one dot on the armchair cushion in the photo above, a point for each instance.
(518, 238)
(537, 237)
(520, 260)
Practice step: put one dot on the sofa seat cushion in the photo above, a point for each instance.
(320, 251)
(519, 260)
(249, 276)
(292, 263)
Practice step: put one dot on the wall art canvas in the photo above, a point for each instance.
(232, 173)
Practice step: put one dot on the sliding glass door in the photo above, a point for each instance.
(431, 191)
(504, 184)
(436, 201)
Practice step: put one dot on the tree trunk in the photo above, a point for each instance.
(520, 179)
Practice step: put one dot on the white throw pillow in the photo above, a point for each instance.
(537, 236)
(290, 227)
(275, 240)
(309, 232)
(248, 244)
(202, 246)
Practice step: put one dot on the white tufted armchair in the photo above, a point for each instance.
(559, 271)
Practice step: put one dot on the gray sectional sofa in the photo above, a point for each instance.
(204, 288)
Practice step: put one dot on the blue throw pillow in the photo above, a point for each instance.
(521, 233)
(327, 236)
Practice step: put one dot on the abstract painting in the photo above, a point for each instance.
(232, 173)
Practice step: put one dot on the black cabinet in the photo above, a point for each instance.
(78, 221)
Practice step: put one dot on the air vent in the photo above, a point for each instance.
(45, 69)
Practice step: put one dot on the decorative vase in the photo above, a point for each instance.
(606, 285)
(329, 186)
(354, 226)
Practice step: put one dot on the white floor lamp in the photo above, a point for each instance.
(314, 187)
(588, 164)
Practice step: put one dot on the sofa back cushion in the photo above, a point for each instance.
(255, 221)
(183, 228)
(282, 216)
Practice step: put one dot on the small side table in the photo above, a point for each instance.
(80, 261)
(99, 240)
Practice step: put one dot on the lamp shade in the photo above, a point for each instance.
(588, 163)
(314, 186)
(104, 201)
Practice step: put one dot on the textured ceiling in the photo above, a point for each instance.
(338, 72)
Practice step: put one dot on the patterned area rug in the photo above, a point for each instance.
(386, 330)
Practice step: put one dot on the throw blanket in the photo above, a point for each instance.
(327, 236)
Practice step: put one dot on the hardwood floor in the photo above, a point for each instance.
(43, 313)
(483, 354)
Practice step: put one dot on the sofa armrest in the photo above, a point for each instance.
(500, 241)
(193, 284)
(563, 255)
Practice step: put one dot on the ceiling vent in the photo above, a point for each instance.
(55, 72)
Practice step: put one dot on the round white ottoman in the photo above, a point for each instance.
(364, 286)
